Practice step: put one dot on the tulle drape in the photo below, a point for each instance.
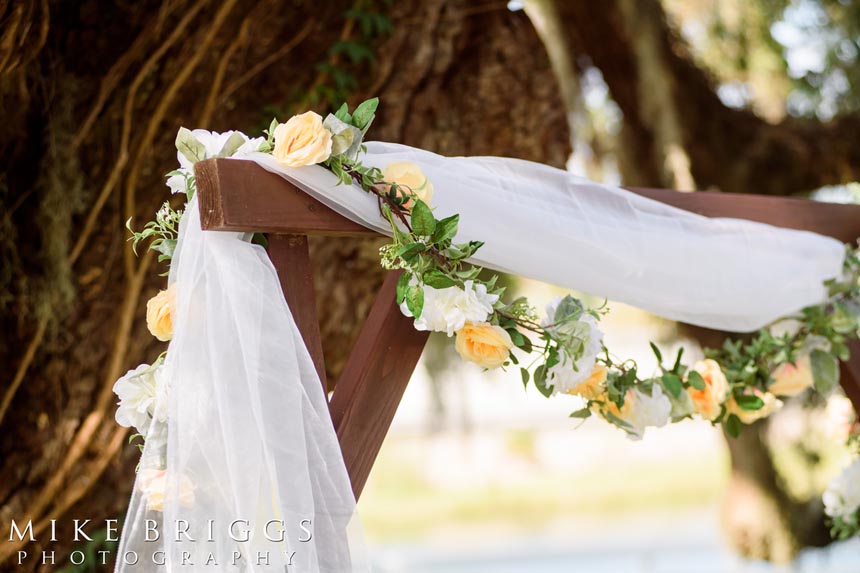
(547, 224)
(250, 443)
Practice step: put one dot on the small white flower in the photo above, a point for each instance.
(449, 309)
(647, 411)
(178, 181)
(842, 498)
(139, 391)
(568, 373)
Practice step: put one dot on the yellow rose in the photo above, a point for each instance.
(302, 141)
(592, 387)
(410, 176)
(707, 403)
(792, 379)
(158, 314)
(607, 406)
(771, 405)
(484, 344)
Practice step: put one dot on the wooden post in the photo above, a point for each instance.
(291, 258)
(373, 381)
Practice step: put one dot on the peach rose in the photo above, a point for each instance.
(707, 402)
(771, 405)
(302, 141)
(592, 387)
(159, 318)
(410, 176)
(484, 344)
(152, 484)
(792, 379)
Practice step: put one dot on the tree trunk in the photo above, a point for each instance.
(670, 106)
(92, 95)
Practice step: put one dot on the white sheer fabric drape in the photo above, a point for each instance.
(250, 442)
(547, 224)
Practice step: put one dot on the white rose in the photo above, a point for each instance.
(213, 142)
(449, 309)
(653, 411)
(641, 411)
(842, 498)
(178, 181)
(138, 391)
(567, 375)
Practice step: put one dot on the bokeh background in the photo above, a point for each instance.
(736, 96)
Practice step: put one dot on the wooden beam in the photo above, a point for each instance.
(240, 195)
(835, 220)
(261, 201)
(291, 258)
(374, 379)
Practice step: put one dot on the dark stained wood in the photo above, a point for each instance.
(850, 374)
(290, 257)
(242, 196)
(832, 219)
(373, 381)
(261, 201)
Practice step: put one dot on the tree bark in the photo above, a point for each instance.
(732, 150)
(92, 95)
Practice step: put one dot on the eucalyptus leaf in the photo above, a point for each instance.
(346, 139)
(189, 147)
(234, 142)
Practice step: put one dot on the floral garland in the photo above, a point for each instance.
(737, 384)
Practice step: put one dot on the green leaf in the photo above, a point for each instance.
(189, 147)
(525, 376)
(437, 279)
(423, 221)
(234, 142)
(363, 114)
(525, 344)
(402, 285)
(657, 353)
(749, 402)
(696, 381)
(825, 370)
(516, 337)
(446, 229)
(733, 426)
(415, 300)
(581, 414)
(672, 384)
(540, 381)
(342, 113)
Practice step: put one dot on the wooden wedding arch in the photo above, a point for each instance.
(236, 195)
